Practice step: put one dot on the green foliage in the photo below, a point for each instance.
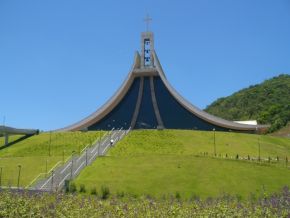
(72, 187)
(66, 185)
(82, 188)
(177, 195)
(268, 102)
(120, 194)
(157, 163)
(94, 191)
(105, 192)
(284, 132)
(23, 204)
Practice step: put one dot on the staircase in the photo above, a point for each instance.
(71, 168)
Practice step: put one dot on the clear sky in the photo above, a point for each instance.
(61, 60)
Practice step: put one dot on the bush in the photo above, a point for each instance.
(94, 191)
(26, 204)
(66, 185)
(82, 188)
(72, 187)
(177, 195)
(120, 194)
(105, 192)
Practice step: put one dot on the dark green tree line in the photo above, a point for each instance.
(268, 102)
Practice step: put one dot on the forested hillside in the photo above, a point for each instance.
(268, 102)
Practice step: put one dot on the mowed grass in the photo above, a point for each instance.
(196, 142)
(163, 163)
(40, 153)
(11, 138)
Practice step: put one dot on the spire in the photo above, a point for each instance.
(147, 45)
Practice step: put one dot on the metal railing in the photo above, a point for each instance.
(76, 163)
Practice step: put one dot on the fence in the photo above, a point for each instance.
(283, 161)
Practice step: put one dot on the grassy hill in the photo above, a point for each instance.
(39, 153)
(162, 163)
(268, 102)
(11, 138)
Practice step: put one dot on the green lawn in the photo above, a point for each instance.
(161, 163)
(196, 142)
(11, 139)
(33, 154)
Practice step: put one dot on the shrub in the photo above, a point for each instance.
(120, 194)
(66, 185)
(177, 195)
(72, 187)
(82, 188)
(105, 192)
(194, 197)
(238, 197)
(26, 204)
(94, 191)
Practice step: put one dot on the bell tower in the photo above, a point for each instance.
(147, 46)
(146, 100)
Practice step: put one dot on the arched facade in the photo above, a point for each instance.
(146, 100)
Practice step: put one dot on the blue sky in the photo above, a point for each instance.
(61, 60)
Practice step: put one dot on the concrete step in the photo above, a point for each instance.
(72, 168)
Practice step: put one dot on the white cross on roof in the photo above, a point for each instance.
(147, 19)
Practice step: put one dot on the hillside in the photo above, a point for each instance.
(268, 102)
(163, 163)
(284, 132)
(39, 153)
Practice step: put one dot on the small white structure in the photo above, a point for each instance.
(248, 122)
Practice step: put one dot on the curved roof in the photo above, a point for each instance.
(109, 105)
(198, 112)
(157, 70)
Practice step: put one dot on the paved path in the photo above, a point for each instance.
(73, 167)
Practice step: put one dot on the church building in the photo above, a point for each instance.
(146, 100)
